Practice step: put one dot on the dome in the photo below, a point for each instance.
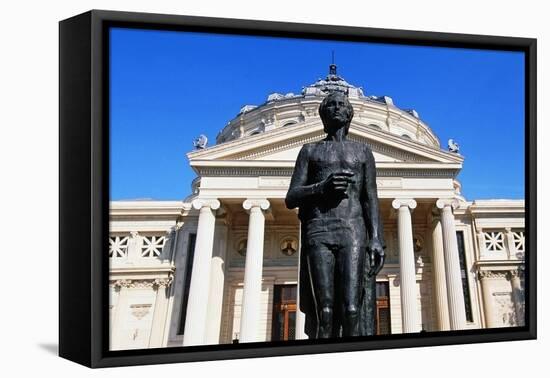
(288, 110)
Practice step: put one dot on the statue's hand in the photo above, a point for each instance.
(376, 256)
(337, 182)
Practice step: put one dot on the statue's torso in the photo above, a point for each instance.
(328, 157)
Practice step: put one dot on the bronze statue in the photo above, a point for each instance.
(334, 186)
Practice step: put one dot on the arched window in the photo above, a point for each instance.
(405, 136)
(289, 123)
(373, 126)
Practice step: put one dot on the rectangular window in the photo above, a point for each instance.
(188, 269)
(464, 275)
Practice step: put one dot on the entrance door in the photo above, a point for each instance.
(284, 313)
(383, 320)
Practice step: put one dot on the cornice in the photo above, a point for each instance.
(145, 208)
(389, 171)
(497, 206)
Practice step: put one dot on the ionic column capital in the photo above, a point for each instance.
(261, 203)
(447, 202)
(516, 273)
(162, 282)
(401, 202)
(212, 203)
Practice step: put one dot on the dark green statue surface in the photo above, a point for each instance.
(334, 186)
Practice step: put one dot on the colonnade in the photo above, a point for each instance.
(449, 297)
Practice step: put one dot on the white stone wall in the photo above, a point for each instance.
(142, 316)
(141, 245)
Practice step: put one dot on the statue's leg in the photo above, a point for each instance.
(350, 273)
(321, 263)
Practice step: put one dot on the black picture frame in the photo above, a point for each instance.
(84, 187)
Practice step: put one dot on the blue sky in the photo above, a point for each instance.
(169, 87)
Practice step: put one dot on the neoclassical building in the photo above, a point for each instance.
(221, 266)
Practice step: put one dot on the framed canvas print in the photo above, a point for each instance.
(234, 188)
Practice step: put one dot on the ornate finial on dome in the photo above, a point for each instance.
(332, 67)
(332, 83)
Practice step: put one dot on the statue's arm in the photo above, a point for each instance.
(299, 192)
(372, 207)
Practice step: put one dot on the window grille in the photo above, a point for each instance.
(494, 241)
(152, 246)
(118, 246)
(519, 240)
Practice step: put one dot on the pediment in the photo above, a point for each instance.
(282, 145)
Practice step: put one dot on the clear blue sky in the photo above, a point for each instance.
(169, 87)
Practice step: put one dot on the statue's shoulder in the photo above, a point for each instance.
(313, 144)
(307, 147)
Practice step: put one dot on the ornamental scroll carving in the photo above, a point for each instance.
(155, 283)
(491, 274)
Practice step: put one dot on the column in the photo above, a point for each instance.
(485, 277)
(455, 294)
(440, 285)
(300, 316)
(250, 315)
(217, 280)
(409, 295)
(517, 295)
(195, 322)
(158, 325)
(115, 339)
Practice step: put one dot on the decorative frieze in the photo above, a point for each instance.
(278, 171)
(150, 283)
(493, 274)
(120, 283)
(162, 282)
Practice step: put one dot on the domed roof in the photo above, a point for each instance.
(282, 110)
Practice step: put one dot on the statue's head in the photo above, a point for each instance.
(336, 112)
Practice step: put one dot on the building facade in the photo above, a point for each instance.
(221, 266)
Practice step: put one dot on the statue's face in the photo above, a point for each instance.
(336, 112)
